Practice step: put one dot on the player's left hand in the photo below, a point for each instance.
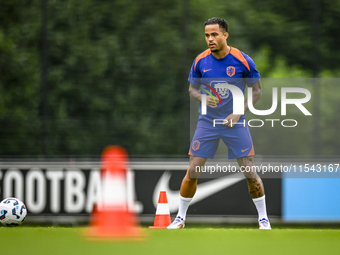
(231, 120)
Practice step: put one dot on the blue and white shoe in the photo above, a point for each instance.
(177, 223)
(264, 224)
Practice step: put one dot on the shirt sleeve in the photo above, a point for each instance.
(195, 74)
(252, 75)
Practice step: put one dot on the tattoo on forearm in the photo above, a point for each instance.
(257, 91)
(194, 93)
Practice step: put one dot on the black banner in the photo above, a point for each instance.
(72, 190)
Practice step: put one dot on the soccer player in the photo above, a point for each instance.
(219, 65)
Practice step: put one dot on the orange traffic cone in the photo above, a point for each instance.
(162, 218)
(112, 219)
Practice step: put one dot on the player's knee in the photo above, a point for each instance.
(251, 175)
(193, 172)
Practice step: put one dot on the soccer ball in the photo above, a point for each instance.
(12, 212)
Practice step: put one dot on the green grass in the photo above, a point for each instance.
(67, 240)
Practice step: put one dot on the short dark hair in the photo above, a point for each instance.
(221, 22)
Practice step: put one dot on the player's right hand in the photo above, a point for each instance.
(211, 103)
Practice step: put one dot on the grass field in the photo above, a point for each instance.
(203, 240)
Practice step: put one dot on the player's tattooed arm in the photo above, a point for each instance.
(231, 119)
(196, 94)
(257, 93)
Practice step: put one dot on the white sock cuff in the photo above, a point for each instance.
(259, 198)
(186, 199)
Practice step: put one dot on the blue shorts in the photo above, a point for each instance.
(237, 139)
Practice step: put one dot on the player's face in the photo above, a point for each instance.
(215, 37)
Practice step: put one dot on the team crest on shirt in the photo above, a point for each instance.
(230, 71)
(220, 87)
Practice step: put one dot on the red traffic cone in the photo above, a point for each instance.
(113, 220)
(162, 218)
